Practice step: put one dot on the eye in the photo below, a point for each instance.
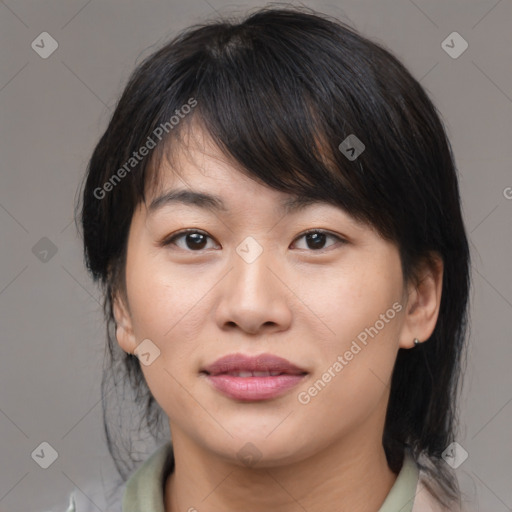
(315, 239)
(194, 239)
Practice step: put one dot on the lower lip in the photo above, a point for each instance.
(254, 388)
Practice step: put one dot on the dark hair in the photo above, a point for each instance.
(278, 92)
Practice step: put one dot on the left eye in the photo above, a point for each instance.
(197, 240)
(315, 239)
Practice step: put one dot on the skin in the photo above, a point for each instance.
(298, 302)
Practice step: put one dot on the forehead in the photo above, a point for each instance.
(194, 171)
(215, 203)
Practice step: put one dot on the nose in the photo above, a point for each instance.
(253, 297)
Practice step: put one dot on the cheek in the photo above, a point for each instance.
(163, 299)
(169, 311)
(351, 396)
(362, 310)
(350, 300)
(170, 308)
(355, 364)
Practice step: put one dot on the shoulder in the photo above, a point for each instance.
(94, 496)
(426, 501)
(144, 489)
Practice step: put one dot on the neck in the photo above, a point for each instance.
(346, 476)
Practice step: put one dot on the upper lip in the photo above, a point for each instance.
(259, 363)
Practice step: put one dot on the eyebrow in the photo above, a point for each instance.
(216, 204)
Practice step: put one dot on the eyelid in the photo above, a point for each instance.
(170, 239)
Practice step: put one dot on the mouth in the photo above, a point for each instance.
(253, 378)
(246, 373)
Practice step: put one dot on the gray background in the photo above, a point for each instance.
(53, 111)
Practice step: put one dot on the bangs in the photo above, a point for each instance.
(280, 103)
(279, 120)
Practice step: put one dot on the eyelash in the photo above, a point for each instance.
(170, 240)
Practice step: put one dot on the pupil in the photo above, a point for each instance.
(317, 239)
(198, 240)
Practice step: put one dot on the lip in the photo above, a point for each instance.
(259, 363)
(260, 387)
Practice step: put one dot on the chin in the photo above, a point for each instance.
(253, 447)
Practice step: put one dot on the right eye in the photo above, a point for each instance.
(195, 240)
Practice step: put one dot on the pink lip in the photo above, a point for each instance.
(256, 387)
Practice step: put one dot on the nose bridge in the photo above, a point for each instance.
(252, 262)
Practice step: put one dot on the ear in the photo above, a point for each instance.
(423, 302)
(124, 328)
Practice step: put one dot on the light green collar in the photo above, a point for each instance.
(401, 496)
(145, 488)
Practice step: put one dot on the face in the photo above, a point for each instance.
(309, 285)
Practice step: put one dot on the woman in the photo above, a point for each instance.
(274, 214)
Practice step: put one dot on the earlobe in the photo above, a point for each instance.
(423, 303)
(124, 329)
